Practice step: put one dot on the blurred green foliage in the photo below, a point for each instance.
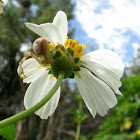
(135, 69)
(78, 114)
(124, 120)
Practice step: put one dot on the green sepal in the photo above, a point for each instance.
(70, 49)
(72, 76)
(62, 65)
(8, 132)
(57, 54)
(50, 72)
(76, 68)
(76, 60)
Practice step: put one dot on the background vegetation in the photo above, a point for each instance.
(121, 123)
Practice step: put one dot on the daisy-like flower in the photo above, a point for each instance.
(1, 8)
(97, 73)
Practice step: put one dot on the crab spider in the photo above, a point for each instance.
(43, 53)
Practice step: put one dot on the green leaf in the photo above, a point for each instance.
(8, 132)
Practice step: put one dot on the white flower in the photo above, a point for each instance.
(1, 8)
(98, 79)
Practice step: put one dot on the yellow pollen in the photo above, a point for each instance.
(52, 46)
(78, 49)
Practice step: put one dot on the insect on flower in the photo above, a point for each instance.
(97, 73)
(1, 7)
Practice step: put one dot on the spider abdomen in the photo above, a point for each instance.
(40, 46)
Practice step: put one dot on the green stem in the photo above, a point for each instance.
(33, 109)
(78, 131)
(79, 123)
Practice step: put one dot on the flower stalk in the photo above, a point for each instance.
(36, 107)
(78, 123)
(78, 131)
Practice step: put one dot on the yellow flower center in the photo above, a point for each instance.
(66, 58)
(78, 49)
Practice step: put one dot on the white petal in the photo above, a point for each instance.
(46, 30)
(38, 90)
(107, 65)
(34, 74)
(52, 31)
(105, 74)
(106, 58)
(31, 69)
(55, 32)
(96, 94)
(60, 21)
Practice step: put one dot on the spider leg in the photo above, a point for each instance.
(20, 69)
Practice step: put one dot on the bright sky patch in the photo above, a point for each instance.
(111, 24)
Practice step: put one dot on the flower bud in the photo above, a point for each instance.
(62, 62)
